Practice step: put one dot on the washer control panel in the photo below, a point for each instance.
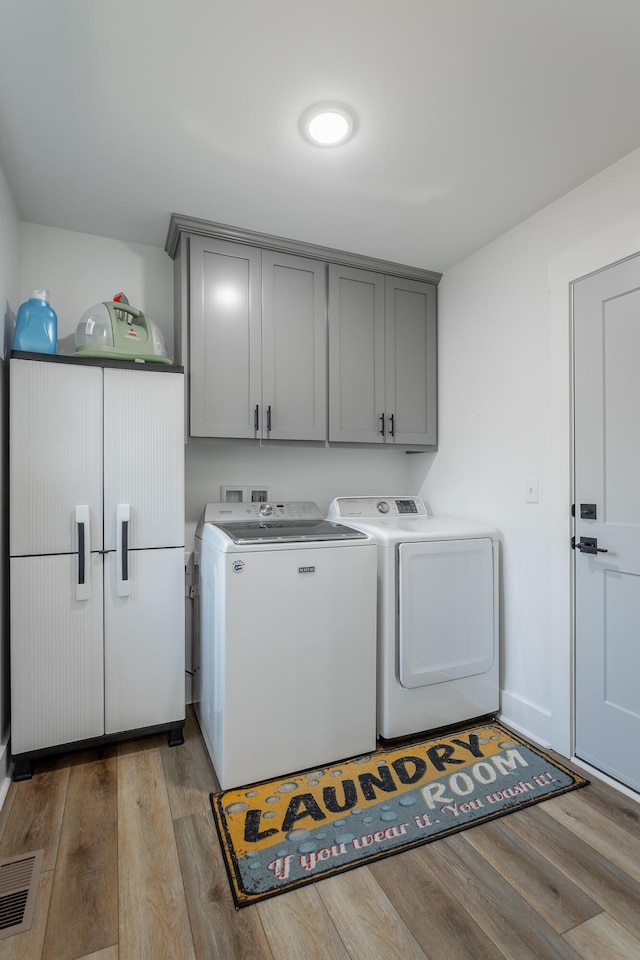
(288, 510)
(363, 507)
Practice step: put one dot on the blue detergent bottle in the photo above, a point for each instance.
(36, 325)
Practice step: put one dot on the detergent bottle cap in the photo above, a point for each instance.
(41, 294)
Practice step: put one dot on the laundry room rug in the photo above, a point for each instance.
(283, 833)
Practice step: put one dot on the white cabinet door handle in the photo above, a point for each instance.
(83, 580)
(123, 516)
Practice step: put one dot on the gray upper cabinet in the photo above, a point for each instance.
(257, 343)
(411, 361)
(356, 355)
(294, 348)
(382, 358)
(224, 338)
(284, 340)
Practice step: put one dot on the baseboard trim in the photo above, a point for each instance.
(5, 769)
(596, 774)
(526, 718)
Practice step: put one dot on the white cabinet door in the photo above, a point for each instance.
(356, 355)
(56, 652)
(144, 641)
(144, 456)
(294, 348)
(225, 348)
(56, 455)
(410, 352)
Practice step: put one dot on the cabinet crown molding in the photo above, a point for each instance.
(194, 226)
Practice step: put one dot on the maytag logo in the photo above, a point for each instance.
(306, 569)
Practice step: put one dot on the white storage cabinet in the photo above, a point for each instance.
(97, 553)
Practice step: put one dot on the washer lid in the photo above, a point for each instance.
(296, 521)
(288, 531)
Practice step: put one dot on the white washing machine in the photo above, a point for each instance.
(438, 613)
(285, 644)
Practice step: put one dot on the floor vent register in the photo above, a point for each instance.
(19, 879)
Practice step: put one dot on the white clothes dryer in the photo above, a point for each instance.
(285, 643)
(438, 613)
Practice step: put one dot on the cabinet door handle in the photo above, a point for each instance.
(392, 425)
(381, 419)
(83, 583)
(256, 418)
(269, 419)
(123, 516)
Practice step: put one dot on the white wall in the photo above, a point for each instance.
(9, 302)
(293, 472)
(504, 402)
(80, 271)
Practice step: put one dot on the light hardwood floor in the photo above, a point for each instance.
(133, 871)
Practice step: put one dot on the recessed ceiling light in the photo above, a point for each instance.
(328, 124)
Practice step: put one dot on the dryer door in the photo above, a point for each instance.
(446, 610)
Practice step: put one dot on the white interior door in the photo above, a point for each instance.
(607, 498)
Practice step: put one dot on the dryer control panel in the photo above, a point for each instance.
(363, 507)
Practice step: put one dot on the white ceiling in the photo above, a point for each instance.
(473, 115)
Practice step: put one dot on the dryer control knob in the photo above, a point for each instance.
(383, 506)
(266, 509)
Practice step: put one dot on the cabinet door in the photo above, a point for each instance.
(411, 390)
(144, 641)
(225, 316)
(294, 348)
(56, 455)
(57, 671)
(144, 457)
(356, 355)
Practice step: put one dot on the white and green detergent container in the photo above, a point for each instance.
(116, 330)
